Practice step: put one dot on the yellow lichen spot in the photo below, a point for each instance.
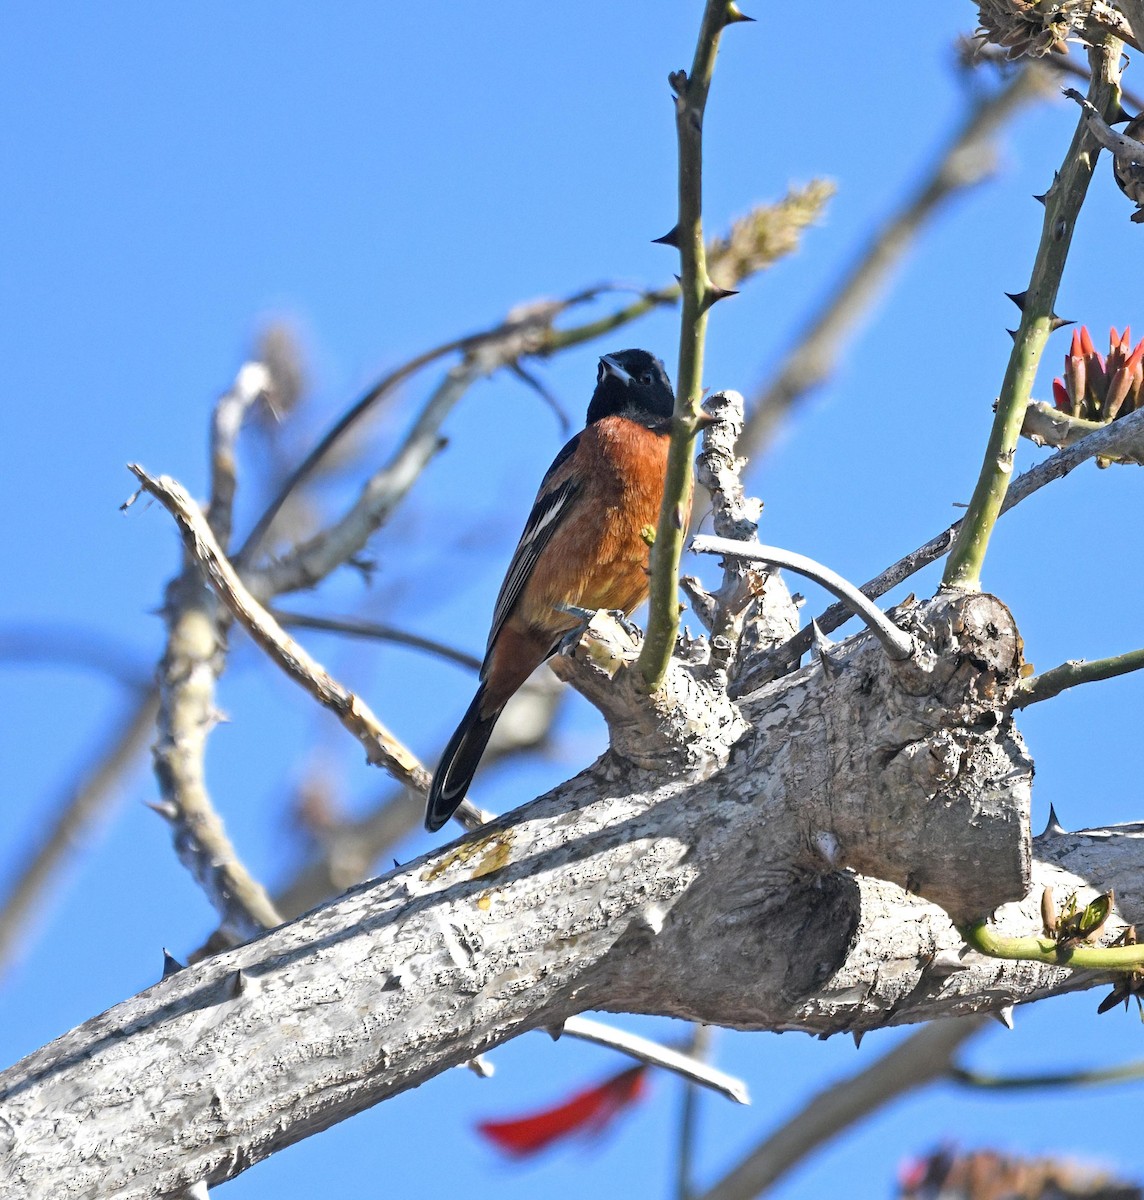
(491, 852)
(496, 858)
(485, 902)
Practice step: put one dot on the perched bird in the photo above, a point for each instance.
(582, 549)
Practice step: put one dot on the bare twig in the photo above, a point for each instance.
(84, 800)
(528, 322)
(701, 1037)
(311, 562)
(897, 643)
(920, 1059)
(382, 748)
(192, 662)
(1123, 438)
(1123, 149)
(188, 671)
(966, 161)
(1051, 683)
(644, 1050)
(983, 1081)
(1134, 11)
(355, 627)
(35, 643)
(252, 382)
(1062, 201)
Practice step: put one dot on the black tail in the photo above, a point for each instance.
(459, 763)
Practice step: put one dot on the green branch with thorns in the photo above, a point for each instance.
(1062, 203)
(699, 294)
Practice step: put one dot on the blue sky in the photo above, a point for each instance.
(387, 177)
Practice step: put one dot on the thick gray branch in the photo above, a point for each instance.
(764, 889)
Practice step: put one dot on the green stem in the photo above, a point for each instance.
(1062, 206)
(698, 295)
(1051, 683)
(561, 339)
(1045, 950)
(1019, 1083)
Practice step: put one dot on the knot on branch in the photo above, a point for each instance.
(687, 726)
(910, 770)
(950, 818)
(970, 654)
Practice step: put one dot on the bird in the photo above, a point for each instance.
(584, 548)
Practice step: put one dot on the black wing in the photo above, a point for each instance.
(550, 509)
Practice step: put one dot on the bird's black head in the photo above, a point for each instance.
(633, 384)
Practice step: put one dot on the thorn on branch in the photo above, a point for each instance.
(1004, 1016)
(1018, 298)
(734, 15)
(821, 645)
(481, 1067)
(130, 500)
(1053, 827)
(712, 294)
(171, 964)
(165, 808)
(670, 238)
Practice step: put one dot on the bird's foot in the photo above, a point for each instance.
(625, 622)
(571, 639)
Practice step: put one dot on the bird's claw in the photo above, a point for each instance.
(625, 622)
(571, 639)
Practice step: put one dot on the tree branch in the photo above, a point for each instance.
(752, 608)
(693, 892)
(82, 803)
(644, 1050)
(1076, 671)
(381, 747)
(1122, 438)
(896, 643)
(252, 383)
(1062, 202)
(1134, 11)
(356, 627)
(192, 662)
(699, 293)
(985, 1082)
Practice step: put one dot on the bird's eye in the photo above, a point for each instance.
(646, 379)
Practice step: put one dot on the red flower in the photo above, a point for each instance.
(1100, 389)
(590, 1111)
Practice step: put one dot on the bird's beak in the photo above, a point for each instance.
(613, 368)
